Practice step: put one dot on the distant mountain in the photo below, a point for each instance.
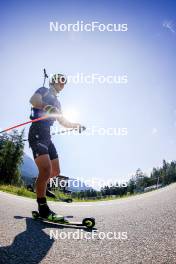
(29, 171)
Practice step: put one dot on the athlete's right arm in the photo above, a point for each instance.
(36, 101)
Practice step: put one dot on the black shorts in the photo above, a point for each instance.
(40, 141)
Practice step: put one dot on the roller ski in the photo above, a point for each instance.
(58, 219)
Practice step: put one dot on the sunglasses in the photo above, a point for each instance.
(63, 80)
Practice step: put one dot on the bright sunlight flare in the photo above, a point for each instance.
(71, 114)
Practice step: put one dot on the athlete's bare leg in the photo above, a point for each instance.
(44, 165)
(45, 171)
(55, 167)
(55, 171)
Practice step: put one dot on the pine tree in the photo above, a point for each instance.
(11, 157)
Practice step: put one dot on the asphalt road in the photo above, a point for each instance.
(148, 221)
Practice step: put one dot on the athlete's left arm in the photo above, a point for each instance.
(67, 124)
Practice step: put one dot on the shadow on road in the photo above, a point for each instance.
(30, 246)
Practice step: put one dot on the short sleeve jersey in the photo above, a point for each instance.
(49, 99)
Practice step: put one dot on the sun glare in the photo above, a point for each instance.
(71, 114)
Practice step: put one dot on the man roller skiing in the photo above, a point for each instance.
(44, 102)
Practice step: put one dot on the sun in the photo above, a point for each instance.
(71, 114)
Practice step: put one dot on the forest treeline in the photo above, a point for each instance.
(11, 158)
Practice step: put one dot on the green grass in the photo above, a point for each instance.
(103, 199)
(20, 191)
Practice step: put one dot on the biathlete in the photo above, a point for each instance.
(44, 102)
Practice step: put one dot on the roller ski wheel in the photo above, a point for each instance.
(35, 215)
(88, 222)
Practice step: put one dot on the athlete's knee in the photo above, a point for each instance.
(55, 172)
(45, 172)
(55, 167)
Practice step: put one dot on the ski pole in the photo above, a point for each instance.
(23, 124)
(63, 131)
(69, 130)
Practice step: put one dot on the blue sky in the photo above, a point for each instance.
(145, 106)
